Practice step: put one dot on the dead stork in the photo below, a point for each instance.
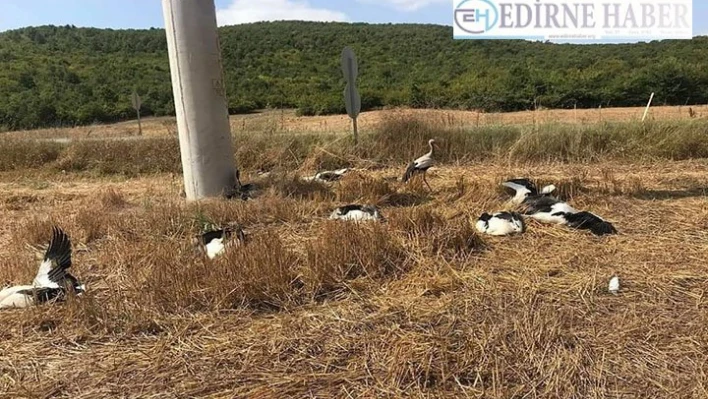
(356, 212)
(215, 241)
(500, 223)
(52, 282)
(538, 205)
(328, 175)
(421, 165)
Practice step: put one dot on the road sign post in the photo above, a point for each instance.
(135, 99)
(352, 100)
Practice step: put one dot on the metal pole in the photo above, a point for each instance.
(199, 95)
(140, 126)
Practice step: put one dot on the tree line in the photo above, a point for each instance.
(57, 76)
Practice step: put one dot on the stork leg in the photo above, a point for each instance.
(426, 182)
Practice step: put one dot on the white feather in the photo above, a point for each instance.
(425, 161)
(521, 192)
(11, 298)
(614, 285)
(548, 189)
(42, 277)
(357, 215)
(215, 248)
(318, 176)
(481, 226)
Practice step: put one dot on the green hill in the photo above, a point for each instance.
(53, 76)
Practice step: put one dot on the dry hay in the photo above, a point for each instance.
(417, 306)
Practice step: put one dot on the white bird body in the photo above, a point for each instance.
(614, 285)
(328, 175)
(356, 213)
(12, 297)
(214, 242)
(215, 248)
(52, 280)
(424, 162)
(553, 214)
(500, 223)
(359, 215)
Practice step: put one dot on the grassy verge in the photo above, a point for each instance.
(396, 140)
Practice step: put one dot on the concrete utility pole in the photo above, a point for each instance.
(200, 98)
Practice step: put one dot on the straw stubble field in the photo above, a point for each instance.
(417, 306)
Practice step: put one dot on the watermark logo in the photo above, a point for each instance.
(580, 20)
(476, 16)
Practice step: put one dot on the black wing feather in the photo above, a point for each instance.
(409, 172)
(207, 237)
(485, 217)
(351, 207)
(589, 221)
(534, 205)
(505, 216)
(59, 253)
(44, 294)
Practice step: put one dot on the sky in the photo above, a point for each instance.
(148, 13)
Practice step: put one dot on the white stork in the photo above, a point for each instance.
(52, 282)
(356, 212)
(215, 241)
(540, 206)
(500, 223)
(328, 175)
(421, 165)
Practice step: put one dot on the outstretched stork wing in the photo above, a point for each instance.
(56, 261)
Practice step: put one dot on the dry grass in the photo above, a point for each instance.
(272, 122)
(419, 305)
(396, 138)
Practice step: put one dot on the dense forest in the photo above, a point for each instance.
(51, 76)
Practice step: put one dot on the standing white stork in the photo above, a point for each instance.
(421, 165)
